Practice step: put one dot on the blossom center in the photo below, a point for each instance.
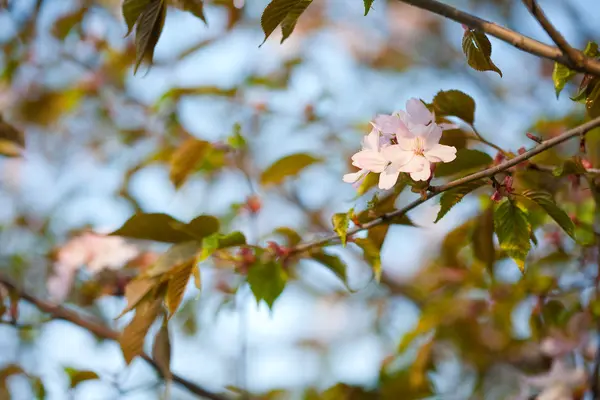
(418, 146)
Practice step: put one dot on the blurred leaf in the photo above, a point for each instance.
(236, 140)
(423, 362)
(592, 147)
(64, 25)
(466, 160)
(149, 28)
(478, 49)
(340, 224)
(454, 103)
(368, 182)
(561, 75)
(267, 281)
(186, 159)
(132, 338)
(196, 7)
(371, 254)
(132, 9)
(48, 107)
(38, 389)
(174, 95)
(177, 255)
(202, 226)
(569, 167)
(284, 12)
(286, 167)
(513, 230)
(8, 371)
(333, 263)
(12, 140)
(292, 237)
(231, 240)
(592, 102)
(161, 351)
(176, 285)
(456, 138)
(545, 200)
(197, 278)
(209, 245)
(483, 239)
(77, 376)
(135, 292)
(452, 197)
(156, 227)
(368, 4)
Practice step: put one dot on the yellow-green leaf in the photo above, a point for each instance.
(201, 226)
(561, 75)
(466, 160)
(454, 103)
(452, 197)
(371, 253)
(545, 200)
(132, 337)
(77, 376)
(286, 167)
(267, 281)
(292, 237)
(333, 263)
(175, 256)
(186, 159)
(177, 284)
(284, 12)
(512, 226)
(340, 224)
(478, 49)
(149, 27)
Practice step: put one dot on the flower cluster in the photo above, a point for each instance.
(406, 141)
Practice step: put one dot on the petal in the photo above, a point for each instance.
(387, 123)
(441, 153)
(424, 173)
(433, 137)
(416, 164)
(371, 141)
(419, 114)
(405, 143)
(369, 160)
(447, 127)
(354, 176)
(388, 178)
(396, 155)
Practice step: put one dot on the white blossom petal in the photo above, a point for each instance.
(433, 136)
(370, 160)
(388, 178)
(440, 153)
(397, 155)
(355, 176)
(418, 112)
(424, 172)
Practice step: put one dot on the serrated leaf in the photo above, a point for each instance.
(452, 197)
(454, 103)
(161, 351)
(368, 4)
(132, 338)
(149, 27)
(135, 292)
(478, 49)
(333, 263)
(465, 161)
(267, 281)
(77, 376)
(561, 75)
(175, 256)
(186, 159)
(132, 9)
(371, 254)
(512, 226)
(340, 223)
(545, 200)
(12, 140)
(195, 7)
(176, 285)
(286, 167)
(154, 226)
(483, 239)
(284, 12)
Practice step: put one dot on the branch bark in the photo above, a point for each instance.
(511, 37)
(435, 190)
(100, 330)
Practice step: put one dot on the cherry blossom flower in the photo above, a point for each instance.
(95, 252)
(369, 159)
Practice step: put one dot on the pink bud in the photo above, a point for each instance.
(496, 196)
(521, 150)
(499, 158)
(536, 139)
(508, 182)
(586, 164)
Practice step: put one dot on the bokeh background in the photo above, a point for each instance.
(93, 129)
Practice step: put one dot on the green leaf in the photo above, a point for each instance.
(236, 140)
(161, 351)
(478, 49)
(292, 237)
(340, 224)
(195, 7)
(452, 197)
(545, 200)
(154, 226)
(267, 281)
(38, 389)
(333, 263)
(12, 140)
(232, 239)
(368, 4)
(176, 286)
(132, 9)
(286, 167)
(368, 182)
(63, 25)
(132, 338)
(209, 245)
(592, 102)
(284, 12)
(187, 159)
(201, 226)
(455, 103)
(371, 253)
(135, 291)
(591, 50)
(512, 226)
(561, 75)
(569, 167)
(483, 239)
(77, 376)
(176, 255)
(466, 160)
(149, 27)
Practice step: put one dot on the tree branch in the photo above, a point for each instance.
(511, 37)
(435, 190)
(574, 56)
(98, 329)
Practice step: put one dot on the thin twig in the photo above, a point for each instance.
(481, 139)
(511, 37)
(98, 329)
(573, 55)
(435, 190)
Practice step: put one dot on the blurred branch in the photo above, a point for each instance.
(511, 37)
(435, 190)
(595, 383)
(98, 329)
(574, 56)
